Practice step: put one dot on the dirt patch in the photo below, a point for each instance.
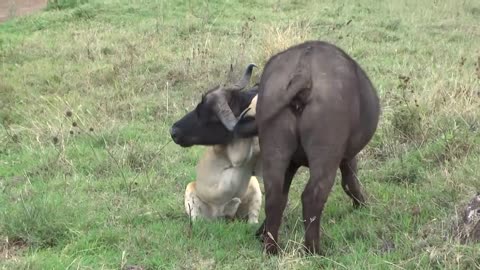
(14, 8)
(11, 250)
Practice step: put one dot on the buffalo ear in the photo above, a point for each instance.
(246, 127)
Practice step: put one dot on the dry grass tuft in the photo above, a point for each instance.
(276, 38)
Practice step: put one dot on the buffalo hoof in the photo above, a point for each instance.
(313, 250)
(269, 245)
(359, 203)
(260, 233)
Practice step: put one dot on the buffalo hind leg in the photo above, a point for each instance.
(289, 174)
(275, 201)
(350, 183)
(277, 152)
(322, 176)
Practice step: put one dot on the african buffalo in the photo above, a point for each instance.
(224, 185)
(212, 121)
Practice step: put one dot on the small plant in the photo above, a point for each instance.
(407, 121)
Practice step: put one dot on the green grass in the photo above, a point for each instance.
(108, 191)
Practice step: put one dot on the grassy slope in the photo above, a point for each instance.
(111, 193)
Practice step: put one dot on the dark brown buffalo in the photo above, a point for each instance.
(317, 108)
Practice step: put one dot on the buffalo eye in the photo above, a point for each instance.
(204, 114)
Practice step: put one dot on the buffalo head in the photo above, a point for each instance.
(215, 117)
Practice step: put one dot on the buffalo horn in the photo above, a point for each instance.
(242, 83)
(224, 113)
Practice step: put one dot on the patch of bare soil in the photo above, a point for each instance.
(11, 250)
(14, 8)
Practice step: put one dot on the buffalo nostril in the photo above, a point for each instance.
(174, 133)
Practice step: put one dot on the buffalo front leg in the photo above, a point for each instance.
(350, 182)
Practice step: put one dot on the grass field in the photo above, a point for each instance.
(89, 178)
